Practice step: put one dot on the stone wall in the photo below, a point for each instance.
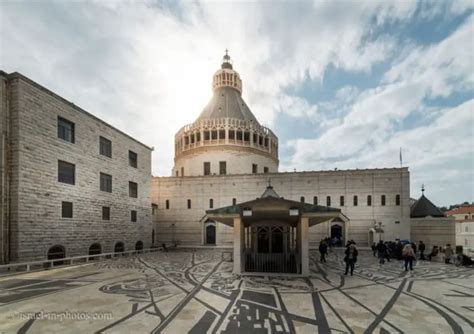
(433, 231)
(178, 223)
(36, 195)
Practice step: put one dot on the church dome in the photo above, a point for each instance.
(226, 138)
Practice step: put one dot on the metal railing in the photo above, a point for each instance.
(74, 260)
(271, 262)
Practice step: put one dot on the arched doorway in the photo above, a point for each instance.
(337, 233)
(95, 249)
(139, 245)
(57, 252)
(119, 247)
(209, 232)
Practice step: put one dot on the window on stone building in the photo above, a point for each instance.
(369, 200)
(397, 200)
(154, 208)
(66, 172)
(106, 213)
(234, 201)
(397, 222)
(207, 168)
(105, 182)
(189, 204)
(221, 134)
(255, 138)
(246, 136)
(239, 135)
(132, 189)
(105, 147)
(356, 200)
(302, 199)
(207, 135)
(382, 200)
(254, 168)
(133, 216)
(315, 200)
(66, 130)
(192, 138)
(214, 134)
(266, 142)
(466, 217)
(328, 200)
(167, 204)
(260, 140)
(341, 200)
(231, 134)
(211, 203)
(222, 168)
(265, 169)
(132, 159)
(198, 136)
(66, 209)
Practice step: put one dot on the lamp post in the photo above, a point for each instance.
(378, 229)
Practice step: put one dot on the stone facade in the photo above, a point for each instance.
(433, 231)
(31, 210)
(186, 226)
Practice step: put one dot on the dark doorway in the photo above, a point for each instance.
(210, 235)
(119, 247)
(57, 252)
(336, 235)
(139, 245)
(95, 249)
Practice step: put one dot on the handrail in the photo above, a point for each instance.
(51, 263)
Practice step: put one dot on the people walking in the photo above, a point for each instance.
(434, 252)
(448, 253)
(421, 248)
(409, 256)
(381, 251)
(323, 249)
(351, 257)
(374, 248)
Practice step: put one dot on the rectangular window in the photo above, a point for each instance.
(105, 147)
(265, 169)
(207, 168)
(105, 213)
(341, 201)
(66, 209)
(214, 134)
(356, 201)
(315, 200)
(302, 199)
(105, 182)
(328, 201)
(66, 172)
(132, 189)
(182, 171)
(232, 134)
(239, 135)
(133, 216)
(222, 168)
(211, 203)
(369, 200)
(234, 201)
(167, 204)
(254, 168)
(397, 200)
(189, 204)
(154, 208)
(221, 134)
(246, 136)
(382, 200)
(66, 130)
(207, 135)
(132, 159)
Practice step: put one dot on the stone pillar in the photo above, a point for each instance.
(303, 245)
(238, 244)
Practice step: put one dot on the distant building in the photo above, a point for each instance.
(464, 217)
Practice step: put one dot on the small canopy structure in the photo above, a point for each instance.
(271, 210)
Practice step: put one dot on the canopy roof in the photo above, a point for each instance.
(424, 208)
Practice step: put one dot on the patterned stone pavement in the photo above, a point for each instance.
(188, 291)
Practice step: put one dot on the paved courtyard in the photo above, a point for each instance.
(189, 291)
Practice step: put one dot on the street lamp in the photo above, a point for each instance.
(378, 229)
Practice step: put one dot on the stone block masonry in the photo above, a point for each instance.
(34, 199)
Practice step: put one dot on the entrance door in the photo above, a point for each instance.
(210, 235)
(336, 235)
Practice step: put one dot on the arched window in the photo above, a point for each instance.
(382, 200)
(315, 200)
(369, 200)
(397, 200)
(211, 203)
(328, 200)
(234, 201)
(139, 245)
(119, 247)
(355, 200)
(302, 199)
(95, 249)
(56, 252)
(341, 201)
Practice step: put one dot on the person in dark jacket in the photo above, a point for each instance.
(381, 251)
(351, 257)
(323, 249)
(374, 248)
(421, 248)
